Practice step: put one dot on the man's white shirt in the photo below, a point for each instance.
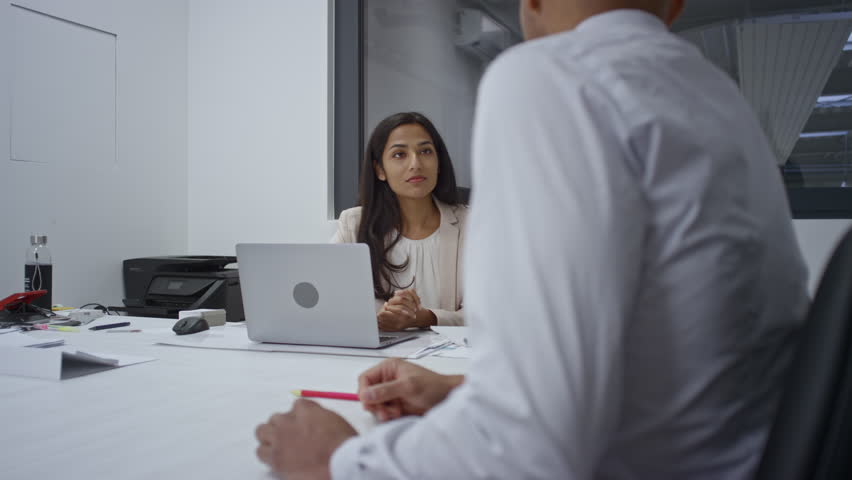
(633, 282)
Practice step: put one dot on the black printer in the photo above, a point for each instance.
(162, 286)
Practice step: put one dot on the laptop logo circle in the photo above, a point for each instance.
(306, 295)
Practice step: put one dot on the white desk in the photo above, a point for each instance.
(189, 414)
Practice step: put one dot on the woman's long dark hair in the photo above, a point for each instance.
(380, 212)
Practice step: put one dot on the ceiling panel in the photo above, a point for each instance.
(698, 13)
(783, 70)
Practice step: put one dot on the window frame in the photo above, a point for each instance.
(347, 78)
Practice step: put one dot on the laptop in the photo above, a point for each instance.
(311, 294)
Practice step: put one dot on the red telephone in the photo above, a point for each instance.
(16, 300)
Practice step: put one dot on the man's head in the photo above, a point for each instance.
(546, 17)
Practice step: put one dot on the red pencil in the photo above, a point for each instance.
(318, 394)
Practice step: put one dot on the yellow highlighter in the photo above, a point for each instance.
(56, 327)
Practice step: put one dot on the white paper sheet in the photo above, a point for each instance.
(237, 339)
(459, 335)
(455, 352)
(461, 340)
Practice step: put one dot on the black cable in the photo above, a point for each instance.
(97, 306)
(102, 308)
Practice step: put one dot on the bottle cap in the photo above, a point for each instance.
(38, 239)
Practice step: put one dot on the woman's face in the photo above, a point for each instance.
(409, 162)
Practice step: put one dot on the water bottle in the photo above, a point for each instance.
(38, 271)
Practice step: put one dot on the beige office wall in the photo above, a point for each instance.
(132, 200)
(258, 123)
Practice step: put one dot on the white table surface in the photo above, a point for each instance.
(189, 414)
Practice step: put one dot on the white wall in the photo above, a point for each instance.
(221, 137)
(98, 215)
(243, 97)
(817, 239)
(412, 64)
(258, 123)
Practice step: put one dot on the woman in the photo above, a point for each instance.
(411, 220)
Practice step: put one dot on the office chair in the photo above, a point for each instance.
(812, 433)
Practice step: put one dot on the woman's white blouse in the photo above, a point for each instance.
(422, 272)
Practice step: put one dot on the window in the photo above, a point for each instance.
(792, 60)
(412, 55)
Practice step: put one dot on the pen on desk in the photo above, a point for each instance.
(109, 325)
(135, 330)
(318, 394)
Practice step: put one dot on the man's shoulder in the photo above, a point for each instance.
(521, 59)
(535, 68)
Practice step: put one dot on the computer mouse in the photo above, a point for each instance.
(188, 325)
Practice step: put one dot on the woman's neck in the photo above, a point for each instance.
(420, 217)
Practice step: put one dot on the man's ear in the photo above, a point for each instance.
(530, 14)
(535, 5)
(674, 9)
(532, 5)
(380, 172)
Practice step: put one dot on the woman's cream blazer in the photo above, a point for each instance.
(451, 237)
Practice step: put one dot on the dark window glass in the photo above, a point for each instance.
(791, 58)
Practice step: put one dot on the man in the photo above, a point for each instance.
(633, 282)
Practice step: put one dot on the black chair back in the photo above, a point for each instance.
(811, 437)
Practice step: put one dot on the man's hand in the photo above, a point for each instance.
(395, 388)
(299, 443)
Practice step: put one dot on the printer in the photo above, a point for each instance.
(162, 286)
